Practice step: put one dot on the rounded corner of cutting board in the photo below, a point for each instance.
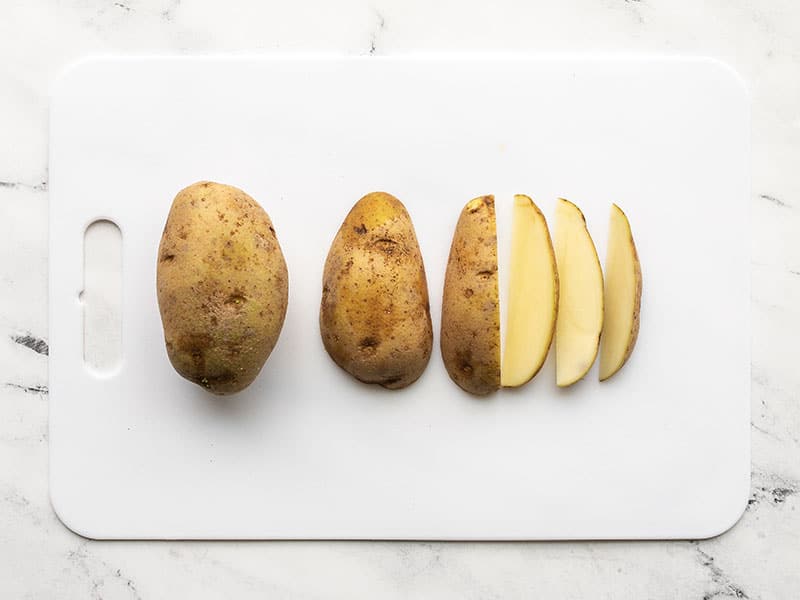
(74, 70)
(729, 71)
(69, 517)
(730, 514)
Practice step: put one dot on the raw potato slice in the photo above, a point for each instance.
(470, 336)
(532, 296)
(580, 304)
(623, 296)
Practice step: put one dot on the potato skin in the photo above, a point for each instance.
(637, 306)
(374, 315)
(470, 334)
(222, 286)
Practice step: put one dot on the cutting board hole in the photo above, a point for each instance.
(101, 297)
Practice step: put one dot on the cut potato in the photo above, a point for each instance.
(470, 334)
(532, 296)
(580, 304)
(623, 295)
(374, 315)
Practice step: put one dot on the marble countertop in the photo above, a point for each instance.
(40, 558)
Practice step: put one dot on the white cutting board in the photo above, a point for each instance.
(659, 451)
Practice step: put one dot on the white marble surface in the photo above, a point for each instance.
(39, 558)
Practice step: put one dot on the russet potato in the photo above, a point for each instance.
(222, 286)
(374, 315)
(470, 333)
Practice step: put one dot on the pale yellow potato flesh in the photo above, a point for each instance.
(580, 303)
(623, 296)
(532, 295)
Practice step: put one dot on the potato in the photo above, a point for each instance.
(470, 335)
(580, 301)
(222, 286)
(622, 298)
(532, 295)
(374, 316)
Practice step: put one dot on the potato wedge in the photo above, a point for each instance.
(623, 296)
(532, 295)
(580, 304)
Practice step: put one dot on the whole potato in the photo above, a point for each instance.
(470, 334)
(222, 286)
(374, 316)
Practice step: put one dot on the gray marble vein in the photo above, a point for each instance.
(774, 200)
(36, 187)
(724, 587)
(32, 342)
(769, 487)
(380, 25)
(31, 389)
